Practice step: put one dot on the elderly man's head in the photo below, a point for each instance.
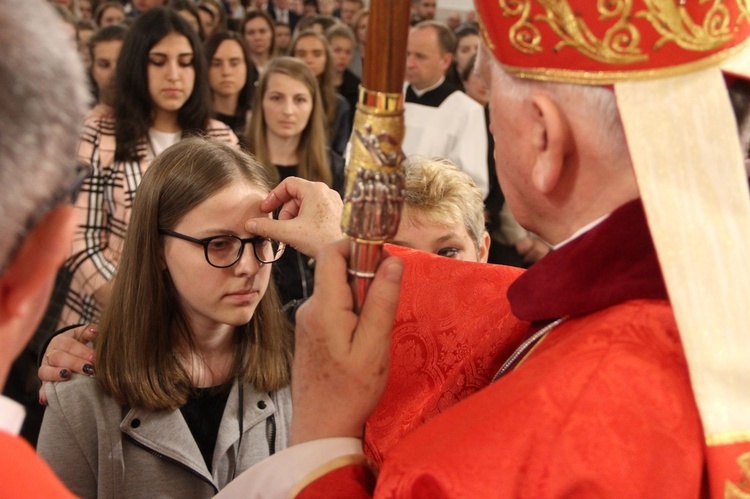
(43, 97)
(560, 150)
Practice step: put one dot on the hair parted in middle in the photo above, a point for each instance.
(255, 13)
(133, 106)
(311, 150)
(140, 328)
(211, 45)
(325, 80)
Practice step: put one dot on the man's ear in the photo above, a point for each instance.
(28, 278)
(446, 60)
(551, 138)
(484, 247)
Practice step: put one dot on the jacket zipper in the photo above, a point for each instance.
(271, 434)
(170, 460)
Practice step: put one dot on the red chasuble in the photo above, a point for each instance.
(452, 332)
(601, 407)
(24, 475)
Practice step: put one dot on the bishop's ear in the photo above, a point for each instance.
(551, 139)
(29, 276)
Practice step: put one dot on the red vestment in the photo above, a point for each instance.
(23, 474)
(442, 350)
(601, 407)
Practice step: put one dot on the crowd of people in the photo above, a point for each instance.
(196, 331)
(276, 80)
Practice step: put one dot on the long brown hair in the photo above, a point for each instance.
(137, 362)
(311, 150)
(325, 80)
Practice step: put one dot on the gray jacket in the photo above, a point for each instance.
(101, 450)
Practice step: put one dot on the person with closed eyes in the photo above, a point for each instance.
(162, 96)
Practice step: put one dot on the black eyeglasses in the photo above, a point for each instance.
(224, 251)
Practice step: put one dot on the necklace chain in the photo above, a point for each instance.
(526, 346)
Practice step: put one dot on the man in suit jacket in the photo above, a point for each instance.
(43, 96)
(280, 12)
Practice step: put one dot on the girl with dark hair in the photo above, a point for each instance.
(193, 353)
(230, 76)
(467, 46)
(313, 49)
(109, 13)
(287, 136)
(189, 12)
(162, 95)
(257, 29)
(104, 49)
(213, 17)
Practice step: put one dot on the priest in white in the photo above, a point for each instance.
(441, 121)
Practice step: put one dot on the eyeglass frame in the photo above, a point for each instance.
(244, 241)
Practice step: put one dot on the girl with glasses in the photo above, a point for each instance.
(193, 354)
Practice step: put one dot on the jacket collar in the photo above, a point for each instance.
(167, 433)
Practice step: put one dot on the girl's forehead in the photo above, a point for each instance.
(276, 80)
(310, 40)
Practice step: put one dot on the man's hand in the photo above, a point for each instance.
(309, 219)
(67, 353)
(341, 360)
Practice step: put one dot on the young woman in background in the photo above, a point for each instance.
(312, 48)
(162, 95)
(287, 135)
(230, 76)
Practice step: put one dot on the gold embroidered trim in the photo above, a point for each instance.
(609, 77)
(334, 464)
(622, 41)
(728, 438)
(744, 6)
(675, 25)
(734, 491)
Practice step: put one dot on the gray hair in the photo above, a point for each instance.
(591, 103)
(43, 98)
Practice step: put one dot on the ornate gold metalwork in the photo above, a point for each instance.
(374, 190)
(609, 77)
(622, 41)
(374, 185)
(741, 491)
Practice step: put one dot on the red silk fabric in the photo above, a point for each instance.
(453, 331)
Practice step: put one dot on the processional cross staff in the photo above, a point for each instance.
(374, 179)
